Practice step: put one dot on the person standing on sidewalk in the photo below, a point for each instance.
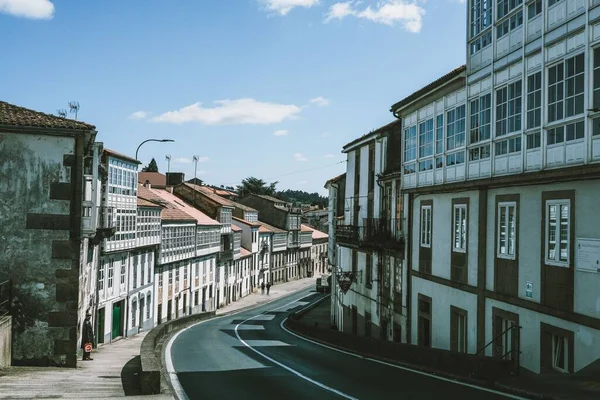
(87, 337)
(268, 288)
(262, 288)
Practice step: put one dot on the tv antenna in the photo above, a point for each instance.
(168, 158)
(74, 108)
(62, 113)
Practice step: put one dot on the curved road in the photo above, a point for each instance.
(250, 356)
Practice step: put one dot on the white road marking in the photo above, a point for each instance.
(179, 392)
(266, 343)
(264, 317)
(441, 378)
(244, 327)
(293, 371)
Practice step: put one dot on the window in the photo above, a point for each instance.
(481, 16)
(455, 128)
(426, 138)
(508, 109)
(101, 277)
(425, 165)
(508, 146)
(553, 2)
(481, 116)
(369, 270)
(534, 100)
(439, 134)
(557, 232)
(410, 143)
(135, 271)
(111, 272)
(148, 305)
(506, 6)
(133, 313)
(459, 232)
(481, 42)
(458, 330)
(534, 9)
(566, 88)
(533, 141)
(596, 127)
(426, 226)
(596, 102)
(560, 353)
(509, 25)
(565, 133)
(479, 153)
(455, 159)
(507, 230)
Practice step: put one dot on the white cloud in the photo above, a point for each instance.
(300, 157)
(185, 160)
(283, 7)
(320, 101)
(33, 9)
(240, 111)
(281, 132)
(388, 12)
(138, 114)
(329, 155)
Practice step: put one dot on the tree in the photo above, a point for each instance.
(151, 167)
(252, 185)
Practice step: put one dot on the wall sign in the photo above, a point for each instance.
(588, 255)
(529, 290)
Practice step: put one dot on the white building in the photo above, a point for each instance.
(371, 244)
(500, 183)
(337, 191)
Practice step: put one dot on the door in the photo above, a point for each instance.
(169, 308)
(100, 326)
(354, 320)
(185, 304)
(116, 320)
(203, 299)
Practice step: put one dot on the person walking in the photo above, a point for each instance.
(268, 288)
(87, 337)
(262, 288)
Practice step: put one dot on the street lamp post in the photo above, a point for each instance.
(151, 140)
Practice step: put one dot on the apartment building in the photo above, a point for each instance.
(251, 242)
(337, 190)
(318, 251)
(186, 268)
(500, 184)
(284, 221)
(370, 243)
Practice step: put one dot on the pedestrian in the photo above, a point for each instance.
(87, 337)
(268, 288)
(262, 288)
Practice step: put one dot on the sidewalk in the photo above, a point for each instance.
(114, 372)
(585, 385)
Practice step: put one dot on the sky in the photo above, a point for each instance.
(266, 88)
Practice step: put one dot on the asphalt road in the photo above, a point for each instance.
(260, 360)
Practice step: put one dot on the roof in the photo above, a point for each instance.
(244, 252)
(348, 146)
(440, 81)
(145, 203)
(235, 228)
(210, 193)
(315, 233)
(12, 115)
(155, 178)
(175, 208)
(243, 221)
(121, 156)
(264, 229)
(335, 180)
(271, 228)
(270, 198)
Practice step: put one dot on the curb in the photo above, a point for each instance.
(486, 384)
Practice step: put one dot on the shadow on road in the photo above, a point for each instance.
(131, 375)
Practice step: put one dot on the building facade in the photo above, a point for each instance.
(370, 244)
(49, 244)
(500, 180)
(336, 188)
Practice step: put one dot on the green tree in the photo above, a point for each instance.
(252, 185)
(151, 167)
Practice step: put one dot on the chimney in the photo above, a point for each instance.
(147, 184)
(175, 178)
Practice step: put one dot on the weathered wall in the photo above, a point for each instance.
(35, 250)
(5, 341)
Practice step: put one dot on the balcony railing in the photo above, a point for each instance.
(347, 234)
(225, 255)
(383, 233)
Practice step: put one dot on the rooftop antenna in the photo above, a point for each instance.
(62, 113)
(74, 108)
(168, 158)
(195, 158)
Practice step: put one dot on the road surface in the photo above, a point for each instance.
(250, 356)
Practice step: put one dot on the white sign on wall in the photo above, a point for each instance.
(588, 255)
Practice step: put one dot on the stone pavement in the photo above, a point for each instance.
(114, 371)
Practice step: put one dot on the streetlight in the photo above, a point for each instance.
(151, 140)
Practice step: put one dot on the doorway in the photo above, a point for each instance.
(100, 325)
(424, 321)
(117, 320)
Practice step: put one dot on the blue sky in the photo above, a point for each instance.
(265, 88)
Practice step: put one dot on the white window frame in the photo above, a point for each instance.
(558, 341)
(425, 231)
(507, 254)
(462, 211)
(556, 260)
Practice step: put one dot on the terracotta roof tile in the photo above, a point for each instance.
(336, 179)
(315, 233)
(264, 229)
(243, 221)
(271, 228)
(244, 252)
(145, 203)
(175, 208)
(349, 145)
(155, 178)
(235, 228)
(210, 193)
(12, 115)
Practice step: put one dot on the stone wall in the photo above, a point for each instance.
(5, 341)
